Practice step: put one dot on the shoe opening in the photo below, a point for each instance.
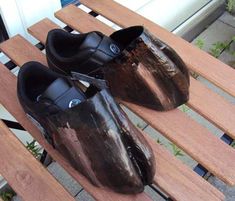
(128, 35)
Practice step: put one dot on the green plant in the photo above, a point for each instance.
(184, 108)
(139, 125)
(34, 148)
(218, 48)
(194, 74)
(232, 52)
(230, 5)
(176, 150)
(233, 144)
(199, 43)
(159, 141)
(7, 195)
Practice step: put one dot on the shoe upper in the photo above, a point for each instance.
(134, 63)
(91, 50)
(88, 128)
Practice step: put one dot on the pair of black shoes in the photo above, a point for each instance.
(74, 109)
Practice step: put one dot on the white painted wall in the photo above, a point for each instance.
(18, 15)
(171, 13)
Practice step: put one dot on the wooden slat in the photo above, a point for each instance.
(40, 31)
(200, 95)
(8, 98)
(203, 100)
(25, 174)
(180, 183)
(28, 51)
(197, 60)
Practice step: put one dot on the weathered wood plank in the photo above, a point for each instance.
(175, 187)
(26, 49)
(197, 60)
(40, 30)
(200, 95)
(25, 174)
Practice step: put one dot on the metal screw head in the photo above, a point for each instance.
(114, 48)
(74, 102)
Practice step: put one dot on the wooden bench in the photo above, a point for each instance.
(27, 176)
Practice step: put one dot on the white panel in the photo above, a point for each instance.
(133, 4)
(18, 15)
(11, 17)
(171, 13)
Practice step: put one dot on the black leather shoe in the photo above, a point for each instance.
(138, 67)
(87, 128)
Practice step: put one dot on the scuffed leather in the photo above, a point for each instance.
(100, 142)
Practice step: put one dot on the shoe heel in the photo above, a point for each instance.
(54, 68)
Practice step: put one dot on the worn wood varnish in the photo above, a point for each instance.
(24, 173)
(170, 181)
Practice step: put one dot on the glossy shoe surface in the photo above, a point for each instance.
(88, 128)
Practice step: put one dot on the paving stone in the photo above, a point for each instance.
(84, 196)
(228, 19)
(134, 118)
(216, 89)
(218, 31)
(152, 194)
(64, 178)
(228, 191)
(170, 14)
(201, 120)
(16, 198)
(227, 57)
(186, 159)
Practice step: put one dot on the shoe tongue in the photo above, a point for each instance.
(62, 94)
(92, 40)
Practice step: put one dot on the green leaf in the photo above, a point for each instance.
(199, 43)
(230, 5)
(184, 108)
(233, 38)
(7, 195)
(176, 150)
(159, 141)
(34, 149)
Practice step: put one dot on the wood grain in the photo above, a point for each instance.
(21, 52)
(183, 131)
(25, 174)
(197, 60)
(40, 30)
(200, 95)
(176, 187)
